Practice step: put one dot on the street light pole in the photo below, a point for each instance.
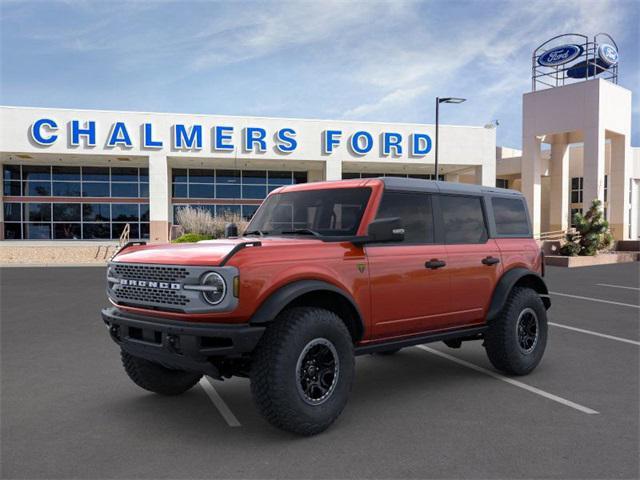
(437, 142)
(438, 102)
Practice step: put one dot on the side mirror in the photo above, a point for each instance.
(385, 230)
(230, 230)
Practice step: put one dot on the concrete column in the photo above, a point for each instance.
(1, 209)
(531, 181)
(618, 188)
(159, 198)
(333, 169)
(486, 174)
(559, 204)
(593, 166)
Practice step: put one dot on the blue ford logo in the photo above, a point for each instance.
(608, 54)
(560, 55)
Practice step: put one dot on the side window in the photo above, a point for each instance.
(463, 219)
(511, 216)
(414, 210)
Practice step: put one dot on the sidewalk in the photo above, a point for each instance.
(52, 253)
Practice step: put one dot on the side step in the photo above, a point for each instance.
(470, 333)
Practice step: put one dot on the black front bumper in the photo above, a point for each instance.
(181, 345)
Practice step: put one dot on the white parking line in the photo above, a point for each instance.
(511, 381)
(227, 414)
(595, 300)
(590, 332)
(616, 286)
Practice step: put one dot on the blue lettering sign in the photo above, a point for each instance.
(37, 134)
(391, 140)
(330, 139)
(420, 144)
(222, 136)
(286, 140)
(358, 147)
(89, 131)
(255, 136)
(186, 139)
(147, 137)
(119, 136)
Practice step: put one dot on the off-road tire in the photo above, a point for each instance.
(275, 376)
(502, 341)
(156, 378)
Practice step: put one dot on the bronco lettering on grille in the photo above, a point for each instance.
(150, 284)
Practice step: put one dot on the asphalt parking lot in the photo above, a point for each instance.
(69, 411)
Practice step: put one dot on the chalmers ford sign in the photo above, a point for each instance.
(45, 132)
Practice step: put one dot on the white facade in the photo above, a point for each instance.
(164, 143)
(594, 113)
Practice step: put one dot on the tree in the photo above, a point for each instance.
(591, 235)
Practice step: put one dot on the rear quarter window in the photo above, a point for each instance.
(463, 219)
(510, 216)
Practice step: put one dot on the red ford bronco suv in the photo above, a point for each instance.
(326, 271)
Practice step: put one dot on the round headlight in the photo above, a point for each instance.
(215, 288)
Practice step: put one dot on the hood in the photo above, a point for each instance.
(208, 252)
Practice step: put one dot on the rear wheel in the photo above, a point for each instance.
(156, 378)
(517, 338)
(302, 370)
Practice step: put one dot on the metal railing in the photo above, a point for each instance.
(554, 235)
(124, 236)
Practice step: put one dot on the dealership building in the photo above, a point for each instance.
(86, 174)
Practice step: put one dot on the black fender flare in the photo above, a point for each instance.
(506, 284)
(282, 297)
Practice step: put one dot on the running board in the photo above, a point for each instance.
(471, 333)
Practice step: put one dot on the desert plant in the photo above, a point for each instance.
(200, 221)
(591, 233)
(192, 238)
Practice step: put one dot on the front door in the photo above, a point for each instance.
(409, 281)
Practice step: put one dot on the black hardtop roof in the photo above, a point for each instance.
(416, 184)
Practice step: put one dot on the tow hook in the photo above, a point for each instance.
(172, 343)
(114, 331)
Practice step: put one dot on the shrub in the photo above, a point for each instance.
(192, 238)
(591, 235)
(199, 221)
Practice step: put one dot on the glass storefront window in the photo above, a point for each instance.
(66, 173)
(96, 212)
(66, 189)
(95, 189)
(73, 221)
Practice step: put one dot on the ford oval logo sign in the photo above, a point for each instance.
(608, 54)
(560, 55)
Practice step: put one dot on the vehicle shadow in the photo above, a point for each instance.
(411, 378)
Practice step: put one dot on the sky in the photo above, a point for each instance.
(343, 60)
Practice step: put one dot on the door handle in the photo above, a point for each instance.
(490, 260)
(435, 263)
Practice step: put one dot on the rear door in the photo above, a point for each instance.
(474, 258)
(409, 281)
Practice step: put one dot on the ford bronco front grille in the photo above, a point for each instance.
(132, 294)
(171, 288)
(151, 272)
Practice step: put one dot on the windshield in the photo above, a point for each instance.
(327, 212)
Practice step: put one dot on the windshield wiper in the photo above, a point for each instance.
(255, 232)
(302, 231)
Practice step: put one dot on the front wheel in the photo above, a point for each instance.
(516, 339)
(302, 370)
(157, 378)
